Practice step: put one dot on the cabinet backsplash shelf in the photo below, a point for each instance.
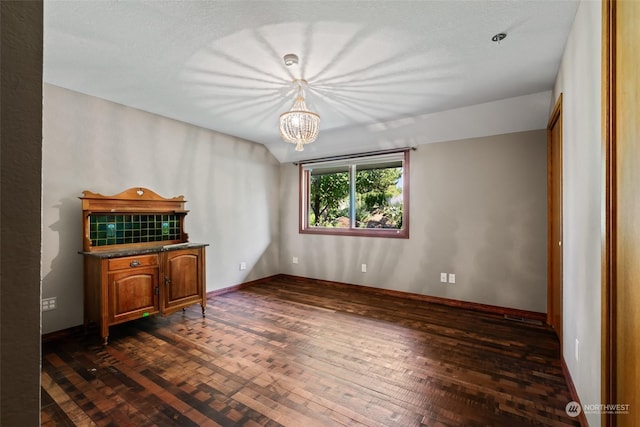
(109, 229)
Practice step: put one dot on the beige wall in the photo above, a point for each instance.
(579, 79)
(231, 187)
(478, 209)
(21, 156)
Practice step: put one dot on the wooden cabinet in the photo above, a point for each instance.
(122, 286)
(137, 262)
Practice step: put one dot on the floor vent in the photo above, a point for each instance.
(522, 319)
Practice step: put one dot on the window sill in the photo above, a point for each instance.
(361, 232)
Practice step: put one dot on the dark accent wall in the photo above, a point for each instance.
(20, 188)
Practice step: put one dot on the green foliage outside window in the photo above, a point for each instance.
(328, 195)
(378, 201)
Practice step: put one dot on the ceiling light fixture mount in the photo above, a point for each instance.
(290, 59)
(499, 37)
(299, 126)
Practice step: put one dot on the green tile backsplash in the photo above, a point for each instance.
(122, 229)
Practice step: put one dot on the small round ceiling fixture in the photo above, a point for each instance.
(498, 37)
(290, 59)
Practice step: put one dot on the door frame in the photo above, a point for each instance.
(554, 214)
(620, 368)
(609, 206)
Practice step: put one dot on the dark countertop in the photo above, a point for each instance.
(117, 253)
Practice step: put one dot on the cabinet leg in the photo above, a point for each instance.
(204, 307)
(105, 334)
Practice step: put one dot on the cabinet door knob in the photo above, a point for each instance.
(167, 281)
(134, 263)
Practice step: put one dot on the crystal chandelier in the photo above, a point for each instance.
(299, 126)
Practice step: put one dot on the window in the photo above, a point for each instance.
(356, 196)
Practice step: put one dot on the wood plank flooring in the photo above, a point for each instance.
(297, 353)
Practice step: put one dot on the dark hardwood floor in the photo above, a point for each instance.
(299, 353)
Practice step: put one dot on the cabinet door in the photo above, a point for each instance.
(183, 278)
(133, 294)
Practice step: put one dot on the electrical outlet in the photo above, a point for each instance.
(49, 304)
(364, 268)
(443, 277)
(295, 260)
(452, 278)
(243, 265)
(577, 350)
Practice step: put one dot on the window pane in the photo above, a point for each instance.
(356, 196)
(379, 197)
(329, 197)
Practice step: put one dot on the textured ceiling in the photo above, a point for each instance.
(380, 73)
